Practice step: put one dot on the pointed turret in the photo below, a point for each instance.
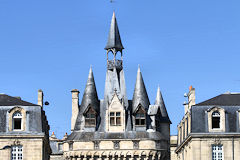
(140, 95)
(114, 40)
(90, 96)
(160, 102)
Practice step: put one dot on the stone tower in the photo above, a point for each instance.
(116, 127)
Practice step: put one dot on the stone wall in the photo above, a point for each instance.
(32, 147)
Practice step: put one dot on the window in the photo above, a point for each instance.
(183, 130)
(17, 121)
(215, 120)
(115, 118)
(17, 153)
(180, 134)
(140, 117)
(187, 126)
(217, 152)
(90, 118)
(70, 146)
(60, 146)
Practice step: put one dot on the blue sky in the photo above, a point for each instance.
(51, 44)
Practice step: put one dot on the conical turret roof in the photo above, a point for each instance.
(160, 102)
(114, 40)
(140, 95)
(90, 94)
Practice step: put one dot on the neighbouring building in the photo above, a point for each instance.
(173, 146)
(57, 147)
(24, 129)
(210, 129)
(116, 127)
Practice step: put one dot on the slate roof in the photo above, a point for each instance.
(140, 95)
(6, 100)
(160, 102)
(226, 99)
(114, 40)
(90, 96)
(90, 136)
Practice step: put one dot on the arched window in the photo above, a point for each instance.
(215, 120)
(90, 118)
(140, 118)
(17, 121)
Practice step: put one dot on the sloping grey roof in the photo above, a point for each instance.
(160, 102)
(90, 94)
(114, 40)
(6, 100)
(54, 146)
(90, 136)
(140, 95)
(228, 99)
(90, 97)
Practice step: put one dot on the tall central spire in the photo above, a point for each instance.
(115, 81)
(114, 39)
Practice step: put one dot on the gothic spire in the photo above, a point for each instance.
(160, 102)
(140, 95)
(114, 40)
(90, 96)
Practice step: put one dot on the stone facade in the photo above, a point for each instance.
(23, 129)
(210, 129)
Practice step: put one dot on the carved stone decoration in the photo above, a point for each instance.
(96, 144)
(16, 142)
(116, 144)
(135, 144)
(158, 145)
(217, 141)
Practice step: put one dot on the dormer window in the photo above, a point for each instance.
(17, 121)
(115, 118)
(90, 118)
(140, 118)
(215, 120)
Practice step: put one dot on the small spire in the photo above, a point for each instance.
(159, 99)
(160, 102)
(114, 39)
(140, 95)
(90, 93)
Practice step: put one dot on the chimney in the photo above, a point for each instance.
(191, 97)
(40, 97)
(75, 105)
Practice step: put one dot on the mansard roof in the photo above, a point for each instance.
(114, 39)
(226, 99)
(6, 100)
(90, 96)
(140, 95)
